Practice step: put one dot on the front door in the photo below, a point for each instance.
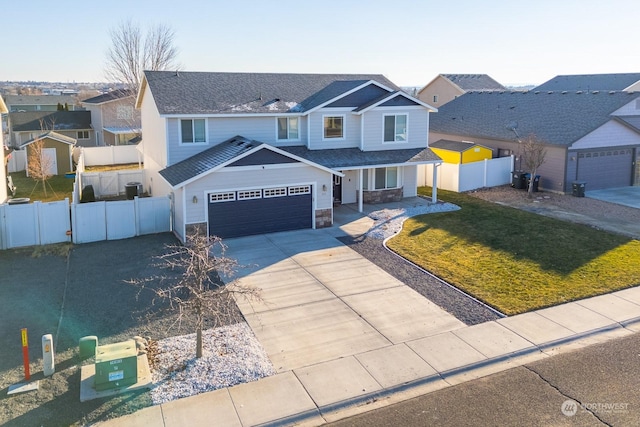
(337, 189)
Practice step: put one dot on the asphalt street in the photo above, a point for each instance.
(594, 386)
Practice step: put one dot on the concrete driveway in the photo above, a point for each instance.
(322, 301)
(627, 196)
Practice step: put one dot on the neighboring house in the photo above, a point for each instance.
(447, 87)
(24, 103)
(249, 153)
(73, 124)
(114, 118)
(459, 152)
(592, 137)
(3, 170)
(627, 82)
(57, 152)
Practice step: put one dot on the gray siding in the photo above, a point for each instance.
(611, 134)
(316, 130)
(418, 125)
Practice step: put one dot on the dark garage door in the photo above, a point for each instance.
(605, 169)
(248, 212)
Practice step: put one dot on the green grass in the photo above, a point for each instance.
(514, 260)
(58, 187)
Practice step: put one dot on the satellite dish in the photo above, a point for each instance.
(512, 125)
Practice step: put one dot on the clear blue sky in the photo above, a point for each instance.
(514, 41)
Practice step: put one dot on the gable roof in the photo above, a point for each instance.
(632, 121)
(589, 82)
(114, 95)
(50, 135)
(458, 146)
(12, 100)
(192, 93)
(468, 82)
(218, 156)
(555, 118)
(59, 120)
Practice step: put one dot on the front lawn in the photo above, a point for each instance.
(58, 187)
(517, 261)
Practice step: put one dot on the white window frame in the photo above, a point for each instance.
(344, 128)
(299, 189)
(274, 192)
(395, 124)
(370, 184)
(225, 196)
(249, 194)
(288, 138)
(206, 131)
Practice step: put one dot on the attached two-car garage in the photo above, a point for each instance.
(245, 212)
(608, 168)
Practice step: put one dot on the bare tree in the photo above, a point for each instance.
(131, 52)
(197, 290)
(39, 164)
(533, 153)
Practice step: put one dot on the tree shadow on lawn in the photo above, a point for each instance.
(557, 246)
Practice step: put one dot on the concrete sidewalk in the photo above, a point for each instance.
(343, 346)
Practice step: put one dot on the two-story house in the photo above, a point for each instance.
(25, 126)
(447, 87)
(114, 118)
(248, 153)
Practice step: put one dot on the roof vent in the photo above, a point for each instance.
(611, 92)
(564, 92)
(578, 92)
(537, 92)
(550, 92)
(595, 92)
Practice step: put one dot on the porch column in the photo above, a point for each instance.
(434, 188)
(360, 190)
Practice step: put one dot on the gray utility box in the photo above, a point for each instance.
(116, 365)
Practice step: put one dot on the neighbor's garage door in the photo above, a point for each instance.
(605, 169)
(259, 211)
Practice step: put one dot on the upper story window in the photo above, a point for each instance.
(333, 127)
(288, 128)
(435, 98)
(395, 128)
(83, 134)
(193, 131)
(124, 112)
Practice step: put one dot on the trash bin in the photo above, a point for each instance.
(88, 194)
(578, 188)
(133, 189)
(518, 180)
(536, 182)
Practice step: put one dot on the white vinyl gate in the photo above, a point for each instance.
(55, 222)
(34, 224)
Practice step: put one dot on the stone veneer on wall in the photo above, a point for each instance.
(382, 196)
(324, 218)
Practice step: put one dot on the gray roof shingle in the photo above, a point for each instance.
(589, 82)
(114, 95)
(556, 118)
(58, 120)
(355, 158)
(237, 93)
(207, 160)
(469, 82)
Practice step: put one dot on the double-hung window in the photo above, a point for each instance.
(333, 127)
(395, 128)
(193, 131)
(288, 128)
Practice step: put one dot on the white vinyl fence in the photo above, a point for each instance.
(34, 224)
(468, 176)
(54, 222)
(18, 161)
(111, 155)
(110, 183)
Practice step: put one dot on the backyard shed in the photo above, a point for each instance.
(458, 152)
(57, 149)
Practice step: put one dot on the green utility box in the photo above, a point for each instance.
(116, 365)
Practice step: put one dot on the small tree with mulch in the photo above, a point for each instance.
(533, 153)
(39, 164)
(197, 289)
